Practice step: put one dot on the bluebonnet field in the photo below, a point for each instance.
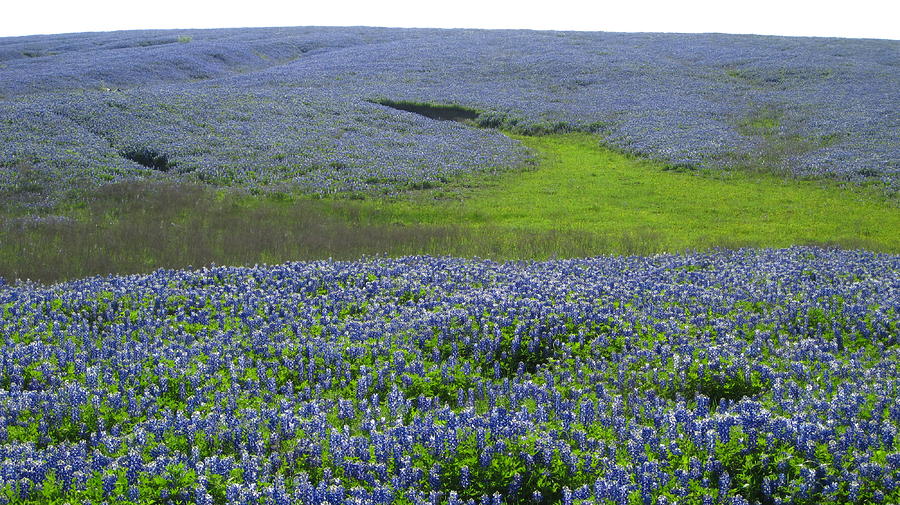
(293, 106)
(765, 376)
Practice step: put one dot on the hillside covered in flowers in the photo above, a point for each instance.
(301, 107)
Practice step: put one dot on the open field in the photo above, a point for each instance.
(305, 106)
(580, 200)
(538, 268)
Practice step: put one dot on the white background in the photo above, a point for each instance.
(859, 18)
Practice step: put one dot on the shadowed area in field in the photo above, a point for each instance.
(149, 158)
(441, 112)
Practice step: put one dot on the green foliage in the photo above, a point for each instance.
(176, 486)
(762, 121)
(516, 467)
(717, 386)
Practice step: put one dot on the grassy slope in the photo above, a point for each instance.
(582, 186)
(581, 200)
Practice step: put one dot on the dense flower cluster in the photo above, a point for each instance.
(241, 137)
(294, 105)
(117, 60)
(765, 376)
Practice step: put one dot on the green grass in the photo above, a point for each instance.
(584, 187)
(582, 199)
(763, 121)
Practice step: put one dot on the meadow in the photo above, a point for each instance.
(305, 106)
(457, 267)
(580, 199)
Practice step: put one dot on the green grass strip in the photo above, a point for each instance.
(585, 187)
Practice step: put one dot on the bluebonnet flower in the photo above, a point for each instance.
(229, 98)
(109, 484)
(724, 484)
(257, 434)
(464, 477)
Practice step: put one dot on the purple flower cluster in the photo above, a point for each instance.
(766, 376)
(232, 136)
(260, 106)
(120, 60)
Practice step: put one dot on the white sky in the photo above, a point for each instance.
(858, 18)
